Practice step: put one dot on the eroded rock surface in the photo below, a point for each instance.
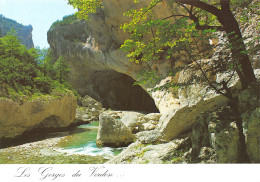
(54, 112)
(89, 110)
(138, 153)
(113, 132)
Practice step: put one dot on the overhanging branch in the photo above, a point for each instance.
(199, 4)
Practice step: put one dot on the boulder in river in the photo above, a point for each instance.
(113, 132)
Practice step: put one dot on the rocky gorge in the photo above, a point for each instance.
(101, 70)
(191, 124)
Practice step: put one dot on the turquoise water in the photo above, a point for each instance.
(82, 140)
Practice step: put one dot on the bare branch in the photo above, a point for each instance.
(175, 16)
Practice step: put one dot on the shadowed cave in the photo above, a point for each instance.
(118, 92)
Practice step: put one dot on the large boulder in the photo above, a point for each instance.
(175, 123)
(249, 107)
(113, 132)
(85, 116)
(44, 112)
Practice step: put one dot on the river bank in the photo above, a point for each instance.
(44, 152)
(67, 147)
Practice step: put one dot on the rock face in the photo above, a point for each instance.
(98, 68)
(218, 130)
(113, 132)
(149, 137)
(23, 32)
(88, 111)
(85, 46)
(138, 153)
(253, 137)
(101, 70)
(173, 124)
(249, 106)
(45, 112)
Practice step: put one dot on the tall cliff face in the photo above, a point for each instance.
(100, 69)
(24, 32)
(92, 50)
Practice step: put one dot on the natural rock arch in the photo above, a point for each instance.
(117, 91)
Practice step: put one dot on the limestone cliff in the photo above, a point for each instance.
(101, 70)
(44, 112)
(24, 32)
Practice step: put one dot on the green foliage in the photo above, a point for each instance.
(29, 72)
(86, 7)
(66, 20)
(62, 69)
(43, 84)
(147, 77)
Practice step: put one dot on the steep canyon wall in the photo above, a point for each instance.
(100, 69)
(23, 32)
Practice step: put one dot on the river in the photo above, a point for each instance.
(82, 140)
(76, 145)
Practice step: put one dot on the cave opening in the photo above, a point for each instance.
(118, 92)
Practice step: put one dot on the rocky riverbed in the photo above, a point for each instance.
(44, 152)
(56, 148)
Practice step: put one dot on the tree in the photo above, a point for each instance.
(191, 21)
(10, 45)
(63, 69)
(17, 63)
(196, 11)
(24, 72)
(46, 62)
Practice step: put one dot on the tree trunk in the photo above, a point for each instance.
(238, 49)
(243, 157)
(231, 27)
